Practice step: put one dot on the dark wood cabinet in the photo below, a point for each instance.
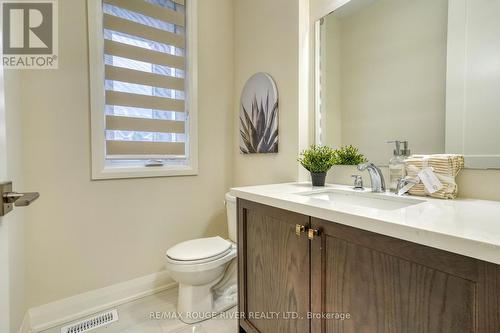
(389, 285)
(274, 269)
(354, 281)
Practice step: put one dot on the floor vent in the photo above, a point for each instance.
(92, 323)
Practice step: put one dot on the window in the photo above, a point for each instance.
(143, 88)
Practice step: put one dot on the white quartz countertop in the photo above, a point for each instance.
(464, 226)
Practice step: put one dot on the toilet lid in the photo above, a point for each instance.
(199, 249)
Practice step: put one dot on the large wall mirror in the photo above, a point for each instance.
(425, 71)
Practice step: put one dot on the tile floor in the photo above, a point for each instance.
(134, 317)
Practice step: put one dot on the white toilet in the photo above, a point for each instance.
(205, 269)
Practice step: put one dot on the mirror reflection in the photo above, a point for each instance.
(395, 70)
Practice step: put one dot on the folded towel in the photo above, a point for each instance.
(445, 166)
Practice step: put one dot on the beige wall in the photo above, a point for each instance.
(16, 219)
(267, 40)
(82, 234)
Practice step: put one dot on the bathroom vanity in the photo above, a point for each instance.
(337, 260)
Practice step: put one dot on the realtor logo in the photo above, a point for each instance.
(29, 34)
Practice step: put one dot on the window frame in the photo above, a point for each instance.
(101, 167)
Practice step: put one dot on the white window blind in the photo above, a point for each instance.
(144, 59)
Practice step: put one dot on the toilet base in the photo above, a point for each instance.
(199, 303)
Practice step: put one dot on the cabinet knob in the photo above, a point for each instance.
(311, 233)
(299, 229)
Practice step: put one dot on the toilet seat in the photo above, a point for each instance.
(199, 250)
(199, 261)
(213, 252)
(201, 265)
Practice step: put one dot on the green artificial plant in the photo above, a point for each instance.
(317, 159)
(349, 155)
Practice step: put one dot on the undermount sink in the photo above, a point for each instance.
(384, 201)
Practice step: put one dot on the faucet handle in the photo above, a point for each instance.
(402, 182)
(358, 182)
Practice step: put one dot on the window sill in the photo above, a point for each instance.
(143, 172)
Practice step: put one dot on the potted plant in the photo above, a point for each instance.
(349, 155)
(318, 160)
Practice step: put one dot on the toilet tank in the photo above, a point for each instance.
(231, 217)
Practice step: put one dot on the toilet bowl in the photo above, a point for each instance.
(205, 269)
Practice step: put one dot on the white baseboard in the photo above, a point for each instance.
(25, 325)
(69, 309)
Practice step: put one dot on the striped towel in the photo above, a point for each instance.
(445, 166)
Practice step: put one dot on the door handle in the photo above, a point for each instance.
(312, 233)
(21, 199)
(11, 199)
(299, 229)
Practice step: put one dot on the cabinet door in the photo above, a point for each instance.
(274, 270)
(387, 285)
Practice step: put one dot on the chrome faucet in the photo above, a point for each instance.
(376, 176)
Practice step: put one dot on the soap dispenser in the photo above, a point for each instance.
(397, 164)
